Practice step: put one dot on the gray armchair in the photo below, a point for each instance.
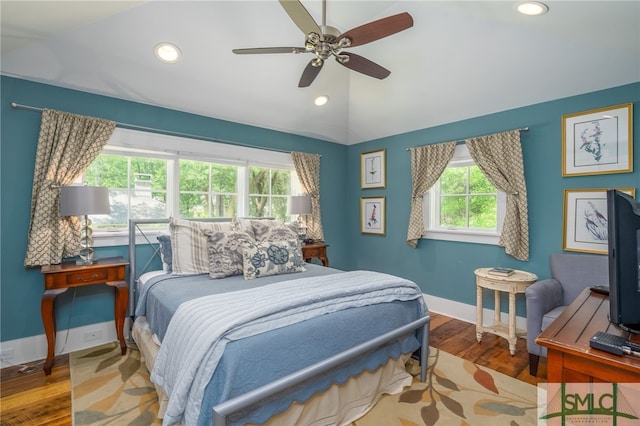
(546, 299)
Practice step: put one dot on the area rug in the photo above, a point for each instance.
(108, 388)
(457, 392)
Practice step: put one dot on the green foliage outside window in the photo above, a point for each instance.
(467, 199)
(269, 191)
(207, 189)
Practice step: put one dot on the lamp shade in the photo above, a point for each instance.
(300, 204)
(84, 200)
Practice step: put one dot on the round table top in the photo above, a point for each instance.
(517, 276)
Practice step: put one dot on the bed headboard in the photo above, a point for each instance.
(135, 230)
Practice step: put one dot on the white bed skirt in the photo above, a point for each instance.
(338, 405)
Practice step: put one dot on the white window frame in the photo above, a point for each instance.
(431, 209)
(173, 148)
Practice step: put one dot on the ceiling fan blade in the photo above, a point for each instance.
(364, 66)
(378, 29)
(269, 50)
(301, 17)
(309, 74)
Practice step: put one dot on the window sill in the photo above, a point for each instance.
(121, 238)
(463, 237)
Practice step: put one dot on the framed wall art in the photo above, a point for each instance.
(372, 215)
(373, 170)
(585, 219)
(599, 141)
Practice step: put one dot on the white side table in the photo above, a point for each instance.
(513, 284)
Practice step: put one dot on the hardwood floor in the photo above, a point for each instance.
(35, 399)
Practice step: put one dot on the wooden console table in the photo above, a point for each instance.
(59, 278)
(570, 359)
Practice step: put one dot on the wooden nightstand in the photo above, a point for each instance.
(319, 250)
(59, 278)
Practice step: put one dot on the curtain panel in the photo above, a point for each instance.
(67, 144)
(308, 170)
(499, 157)
(427, 164)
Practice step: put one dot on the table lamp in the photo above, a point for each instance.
(84, 201)
(301, 205)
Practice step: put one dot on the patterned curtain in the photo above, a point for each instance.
(308, 170)
(427, 164)
(499, 156)
(67, 144)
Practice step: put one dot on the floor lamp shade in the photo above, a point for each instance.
(84, 201)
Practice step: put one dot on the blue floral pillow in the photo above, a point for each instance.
(272, 258)
(165, 252)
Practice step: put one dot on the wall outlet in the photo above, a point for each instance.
(92, 335)
(6, 354)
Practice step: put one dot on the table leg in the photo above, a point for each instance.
(496, 307)
(120, 310)
(479, 328)
(512, 323)
(49, 323)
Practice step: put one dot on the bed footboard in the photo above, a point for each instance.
(223, 410)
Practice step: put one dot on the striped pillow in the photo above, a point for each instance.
(189, 245)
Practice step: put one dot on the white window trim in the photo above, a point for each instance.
(461, 157)
(139, 143)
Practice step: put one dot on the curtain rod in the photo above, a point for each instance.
(522, 129)
(165, 132)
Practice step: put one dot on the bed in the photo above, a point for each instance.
(286, 343)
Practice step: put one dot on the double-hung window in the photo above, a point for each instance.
(463, 205)
(156, 176)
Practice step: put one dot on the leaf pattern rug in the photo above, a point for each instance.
(111, 389)
(457, 392)
(108, 388)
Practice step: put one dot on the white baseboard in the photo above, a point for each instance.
(35, 347)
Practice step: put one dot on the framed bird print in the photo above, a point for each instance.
(372, 215)
(373, 172)
(585, 219)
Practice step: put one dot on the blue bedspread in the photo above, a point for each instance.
(270, 354)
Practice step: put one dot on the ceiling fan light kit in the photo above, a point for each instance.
(325, 41)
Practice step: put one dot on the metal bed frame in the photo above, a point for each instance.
(226, 408)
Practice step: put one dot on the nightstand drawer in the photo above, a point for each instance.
(88, 276)
(314, 251)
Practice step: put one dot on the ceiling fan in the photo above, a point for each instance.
(326, 41)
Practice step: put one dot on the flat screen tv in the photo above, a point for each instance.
(624, 260)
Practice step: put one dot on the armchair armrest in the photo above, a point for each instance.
(541, 297)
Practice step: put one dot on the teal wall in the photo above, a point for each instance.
(21, 289)
(445, 269)
(442, 269)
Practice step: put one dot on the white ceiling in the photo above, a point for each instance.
(461, 59)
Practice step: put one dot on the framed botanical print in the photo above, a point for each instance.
(599, 141)
(372, 215)
(585, 219)
(373, 170)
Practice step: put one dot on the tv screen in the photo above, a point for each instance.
(624, 260)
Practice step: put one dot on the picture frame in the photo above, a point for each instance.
(373, 169)
(372, 215)
(585, 219)
(598, 141)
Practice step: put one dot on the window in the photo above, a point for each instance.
(148, 178)
(463, 205)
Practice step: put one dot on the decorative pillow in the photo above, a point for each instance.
(224, 250)
(262, 259)
(165, 252)
(189, 245)
(274, 230)
(242, 224)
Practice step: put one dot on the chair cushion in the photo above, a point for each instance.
(551, 315)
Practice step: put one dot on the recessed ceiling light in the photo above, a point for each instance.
(321, 100)
(532, 8)
(167, 52)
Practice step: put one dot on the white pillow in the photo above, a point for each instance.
(189, 245)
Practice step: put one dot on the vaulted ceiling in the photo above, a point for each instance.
(461, 59)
